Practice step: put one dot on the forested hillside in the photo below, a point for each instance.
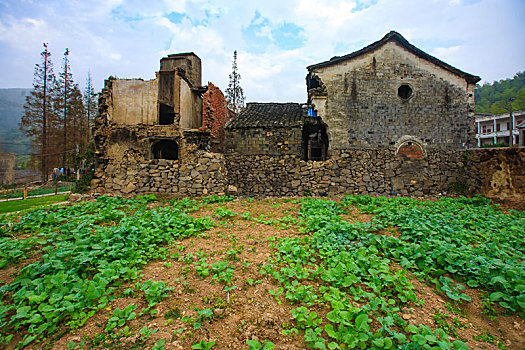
(494, 98)
(11, 110)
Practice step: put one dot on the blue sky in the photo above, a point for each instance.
(275, 40)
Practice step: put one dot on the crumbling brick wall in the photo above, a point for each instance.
(215, 114)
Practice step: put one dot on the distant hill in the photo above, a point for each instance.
(494, 98)
(11, 110)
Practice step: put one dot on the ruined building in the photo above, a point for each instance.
(388, 95)
(388, 119)
(142, 124)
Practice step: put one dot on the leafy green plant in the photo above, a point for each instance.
(155, 291)
(203, 345)
(120, 317)
(257, 345)
(452, 289)
(224, 213)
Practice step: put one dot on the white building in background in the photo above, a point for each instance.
(499, 128)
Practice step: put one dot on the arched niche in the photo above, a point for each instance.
(165, 149)
(410, 147)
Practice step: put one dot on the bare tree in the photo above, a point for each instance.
(234, 92)
(38, 111)
(90, 103)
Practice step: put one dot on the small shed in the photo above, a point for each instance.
(277, 129)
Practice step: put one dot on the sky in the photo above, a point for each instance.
(275, 39)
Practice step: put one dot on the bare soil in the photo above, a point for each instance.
(249, 311)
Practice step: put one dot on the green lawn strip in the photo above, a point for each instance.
(18, 205)
(83, 261)
(35, 192)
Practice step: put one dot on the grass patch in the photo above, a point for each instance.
(17, 205)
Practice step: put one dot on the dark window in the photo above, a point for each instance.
(315, 141)
(404, 92)
(165, 149)
(166, 115)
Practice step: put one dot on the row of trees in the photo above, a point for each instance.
(57, 115)
(495, 98)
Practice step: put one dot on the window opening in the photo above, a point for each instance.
(315, 142)
(165, 149)
(166, 115)
(404, 91)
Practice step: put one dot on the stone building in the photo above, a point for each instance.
(388, 95)
(275, 129)
(391, 94)
(155, 121)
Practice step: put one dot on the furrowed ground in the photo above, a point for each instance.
(223, 273)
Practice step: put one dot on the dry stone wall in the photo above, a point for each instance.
(373, 172)
(493, 173)
(202, 175)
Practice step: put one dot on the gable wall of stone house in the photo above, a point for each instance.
(362, 109)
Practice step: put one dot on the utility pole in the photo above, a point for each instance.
(511, 124)
(65, 108)
(46, 54)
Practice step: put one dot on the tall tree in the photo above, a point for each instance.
(71, 106)
(90, 103)
(38, 111)
(65, 80)
(234, 92)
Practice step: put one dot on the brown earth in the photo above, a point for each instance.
(249, 311)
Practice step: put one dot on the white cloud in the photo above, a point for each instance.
(127, 38)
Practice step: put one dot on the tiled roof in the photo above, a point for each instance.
(268, 115)
(398, 38)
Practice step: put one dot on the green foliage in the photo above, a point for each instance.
(494, 98)
(348, 267)
(203, 345)
(81, 259)
(119, 317)
(224, 213)
(257, 345)
(452, 289)
(467, 237)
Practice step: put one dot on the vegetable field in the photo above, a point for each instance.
(224, 273)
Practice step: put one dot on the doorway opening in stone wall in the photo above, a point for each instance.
(166, 115)
(165, 149)
(315, 141)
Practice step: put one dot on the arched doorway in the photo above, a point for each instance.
(165, 149)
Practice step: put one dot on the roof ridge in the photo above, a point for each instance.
(395, 36)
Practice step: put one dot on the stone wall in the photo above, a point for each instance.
(502, 172)
(204, 174)
(495, 173)
(374, 172)
(276, 142)
(360, 103)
